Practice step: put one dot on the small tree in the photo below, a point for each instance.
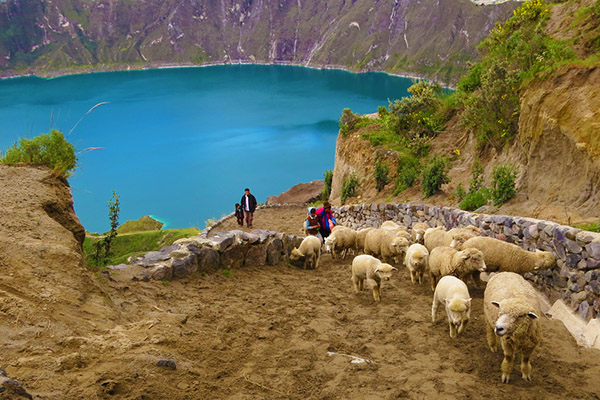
(503, 184)
(348, 120)
(381, 175)
(434, 175)
(328, 176)
(349, 187)
(102, 248)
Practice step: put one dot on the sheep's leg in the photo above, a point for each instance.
(419, 277)
(508, 362)
(376, 293)
(476, 279)
(433, 282)
(434, 308)
(452, 329)
(526, 364)
(412, 277)
(317, 260)
(357, 283)
(491, 338)
(462, 326)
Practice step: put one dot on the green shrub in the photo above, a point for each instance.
(460, 193)
(503, 184)
(381, 175)
(476, 181)
(51, 150)
(434, 175)
(474, 200)
(349, 187)
(407, 173)
(348, 120)
(328, 178)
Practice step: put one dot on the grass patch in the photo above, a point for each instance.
(136, 244)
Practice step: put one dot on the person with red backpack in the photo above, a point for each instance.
(326, 219)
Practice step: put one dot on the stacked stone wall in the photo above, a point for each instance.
(575, 279)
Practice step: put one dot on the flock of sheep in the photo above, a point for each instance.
(452, 259)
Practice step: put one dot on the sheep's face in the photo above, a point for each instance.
(509, 323)
(473, 258)
(547, 260)
(399, 244)
(296, 254)
(458, 310)
(419, 235)
(329, 243)
(384, 271)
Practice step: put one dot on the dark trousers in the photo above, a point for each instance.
(249, 216)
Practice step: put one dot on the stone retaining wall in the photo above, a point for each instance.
(232, 249)
(575, 279)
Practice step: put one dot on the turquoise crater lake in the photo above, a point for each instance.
(181, 144)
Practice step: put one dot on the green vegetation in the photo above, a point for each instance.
(503, 184)
(51, 150)
(103, 247)
(408, 172)
(473, 200)
(514, 54)
(382, 171)
(349, 187)
(135, 244)
(146, 223)
(328, 178)
(434, 175)
(348, 120)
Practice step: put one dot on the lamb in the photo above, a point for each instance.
(445, 260)
(384, 244)
(418, 232)
(397, 230)
(310, 250)
(511, 306)
(364, 267)
(454, 295)
(417, 262)
(360, 238)
(455, 237)
(340, 241)
(507, 257)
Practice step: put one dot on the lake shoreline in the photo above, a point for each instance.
(151, 66)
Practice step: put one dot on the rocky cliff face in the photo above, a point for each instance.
(557, 154)
(434, 38)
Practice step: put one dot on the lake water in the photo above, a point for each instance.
(181, 144)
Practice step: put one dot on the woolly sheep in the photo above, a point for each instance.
(340, 241)
(511, 306)
(454, 295)
(397, 230)
(503, 256)
(418, 232)
(455, 237)
(364, 267)
(360, 238)
(384, 244)
(417, 262)
(445, 260)
(310, 250)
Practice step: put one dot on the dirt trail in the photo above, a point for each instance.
(278, 332)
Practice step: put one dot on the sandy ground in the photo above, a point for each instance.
(279, 332)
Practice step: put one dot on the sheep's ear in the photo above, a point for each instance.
(495, 303)
(469, 300)
(532, 315)
(394, 269)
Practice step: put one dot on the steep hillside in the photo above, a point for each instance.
(433, 38)
(556, 117)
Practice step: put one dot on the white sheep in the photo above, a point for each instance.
(365, 267)
(360, 238)
(503, 256)
(445, 260)
(310, 250)
(397, 230)
(340, 241)
(454, 295)
(384, 244)
(512, 308)
(417, 262)
(418, 232)
(455, 237)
